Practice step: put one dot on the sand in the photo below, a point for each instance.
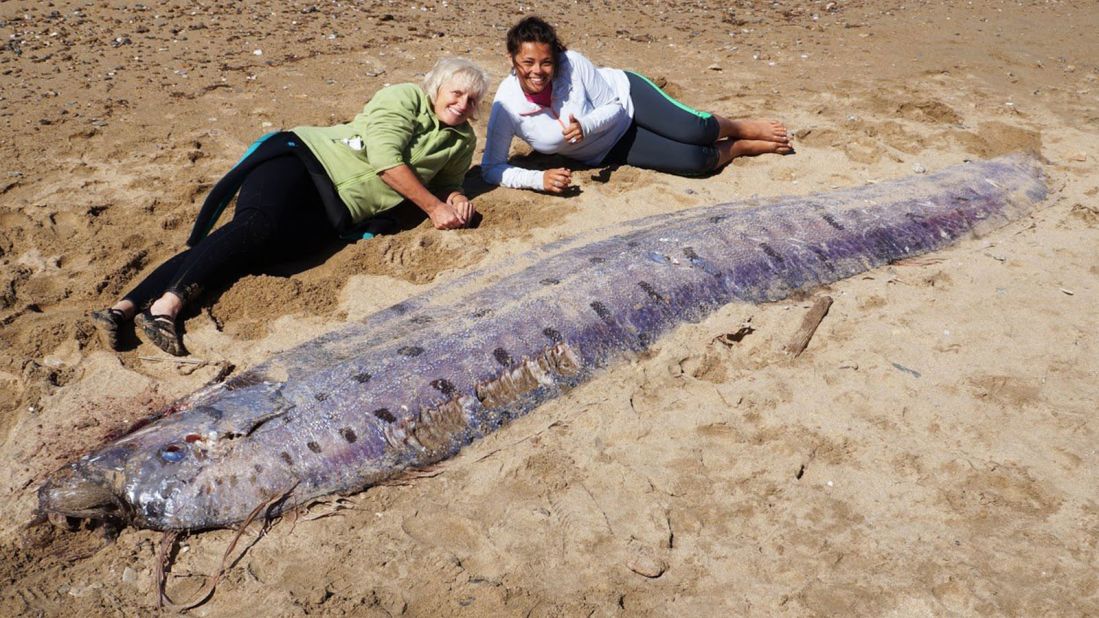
(933, 451)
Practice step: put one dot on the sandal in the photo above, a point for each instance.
(107, 323)
(162, 332)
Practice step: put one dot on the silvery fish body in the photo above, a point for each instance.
(412, 384)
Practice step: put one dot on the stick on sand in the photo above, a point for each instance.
(809, 326)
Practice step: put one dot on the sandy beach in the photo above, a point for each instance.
(933, 452)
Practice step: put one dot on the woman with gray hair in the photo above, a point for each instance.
(299, 189)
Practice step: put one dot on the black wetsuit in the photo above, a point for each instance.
(285, 210)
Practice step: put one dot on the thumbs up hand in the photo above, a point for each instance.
(573, 133)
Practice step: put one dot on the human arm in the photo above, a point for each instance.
(495, 168)
(607, 110)
(453, 213)
(390, 123)
(447, 183)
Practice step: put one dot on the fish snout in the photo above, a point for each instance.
(72, 493)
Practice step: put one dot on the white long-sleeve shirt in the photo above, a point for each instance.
(599, 98)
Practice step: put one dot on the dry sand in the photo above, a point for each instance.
(933, 452)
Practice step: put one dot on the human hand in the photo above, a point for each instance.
(449, 216)
(573, 133)
(556, 180)
(462, 207)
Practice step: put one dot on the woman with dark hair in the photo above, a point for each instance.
(303, 188)
(559, 103)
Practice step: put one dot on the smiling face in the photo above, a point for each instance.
(534, 66)
(453, 103)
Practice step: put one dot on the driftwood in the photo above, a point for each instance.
(809, 326)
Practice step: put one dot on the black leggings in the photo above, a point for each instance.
(278, 216)
(665, 135)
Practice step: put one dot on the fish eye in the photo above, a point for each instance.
(172, 453)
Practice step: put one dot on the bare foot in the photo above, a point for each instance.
(765, 130)
(730, 149)
(754, 147)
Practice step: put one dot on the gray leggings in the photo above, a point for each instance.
(665, 135)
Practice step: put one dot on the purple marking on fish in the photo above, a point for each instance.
(414, 383)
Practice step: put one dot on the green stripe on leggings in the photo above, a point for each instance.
(689, 110)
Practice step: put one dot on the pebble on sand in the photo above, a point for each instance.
(647, 565)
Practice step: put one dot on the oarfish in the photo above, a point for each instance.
(414, 383)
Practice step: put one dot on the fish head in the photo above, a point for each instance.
(134, 481)
(85, 490)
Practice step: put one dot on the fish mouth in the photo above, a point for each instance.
(73, 494)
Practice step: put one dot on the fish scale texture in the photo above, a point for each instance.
(414, 383)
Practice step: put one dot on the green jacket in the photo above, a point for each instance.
(397, 126)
